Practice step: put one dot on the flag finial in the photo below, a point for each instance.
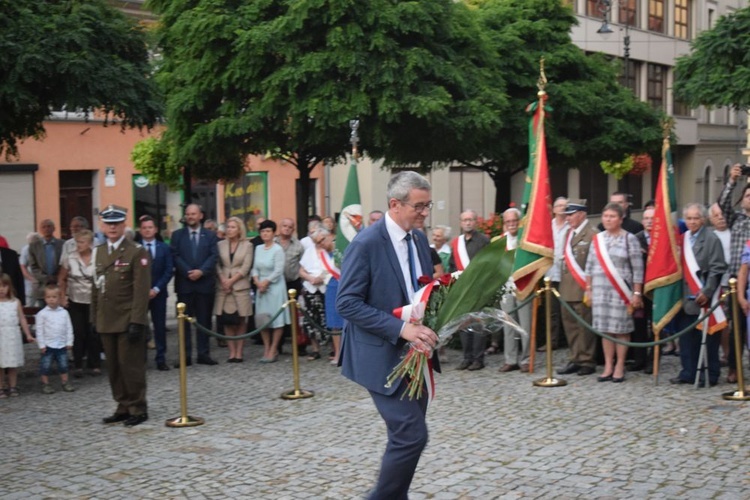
(354, 138)
(542, 82)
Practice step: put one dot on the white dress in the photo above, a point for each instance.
(11, 344)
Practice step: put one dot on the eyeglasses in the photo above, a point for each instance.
(419, 207)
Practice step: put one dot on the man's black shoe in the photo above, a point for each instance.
(476, 365)
(678, 380)
(162, 367)
(569, 368)
(188, 362)
(586, 370)
(136, 419)
(464, 365)
(117, 417)
(205, 360)
(632, 366)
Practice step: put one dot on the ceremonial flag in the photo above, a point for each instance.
(536, 245)
(350, 219)
(663, 279)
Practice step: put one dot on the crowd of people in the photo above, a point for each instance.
(234, 284)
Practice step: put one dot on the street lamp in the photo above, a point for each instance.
(605, 7)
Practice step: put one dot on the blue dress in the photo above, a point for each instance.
(269, 265)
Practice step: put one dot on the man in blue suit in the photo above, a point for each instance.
(162, 269)
(379, 274)
(194, 251)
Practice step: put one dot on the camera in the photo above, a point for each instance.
(745, 170)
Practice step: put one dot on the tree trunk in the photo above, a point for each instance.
(303, 197)
(501, 178)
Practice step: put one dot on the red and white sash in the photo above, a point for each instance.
(414, 313)
(460, 255)
(613, 275)
(330, 266)
(570, 260)
(718, 320)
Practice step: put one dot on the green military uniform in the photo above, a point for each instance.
(120, 298)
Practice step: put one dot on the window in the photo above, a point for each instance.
(681, 19)
(679, 108)
(656, 15)
(594, 8)
(629, 76)
(628, 14)
(247, 198)
(633, 185)
(656, 85)
(707, 185)
(149, 199)
(593, 187)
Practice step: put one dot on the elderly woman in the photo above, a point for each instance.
(75, 281)
(268, 276)
(233, 303)
(614, 283)
(441, 235)
(315, 277)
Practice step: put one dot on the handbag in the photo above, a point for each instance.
(230, 318)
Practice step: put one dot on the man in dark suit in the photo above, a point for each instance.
(162, 269)
(642, 356)
(10, 265)
(194, 251)
(44, 259)
(709, 267)
(379, 274)
(119, 311)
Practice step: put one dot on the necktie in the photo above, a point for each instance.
(412, 263)
(150, 247)
(194, 238)
(693, 236)
(111, 249)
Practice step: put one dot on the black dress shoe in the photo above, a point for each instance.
(136, 419)
(568, 369)
(162, 367)
(586, 370)
(205, 360)
(464, 365)
(117, 417)
(188, 362)
(603, 378)
(476, 365)
(678, 380)
(634, 367)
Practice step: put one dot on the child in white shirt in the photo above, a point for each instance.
(54, 335)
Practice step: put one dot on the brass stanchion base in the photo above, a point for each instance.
(736, 396)
(185, 422)
(550, 382)
(294, 394)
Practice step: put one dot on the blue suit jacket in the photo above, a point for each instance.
(372, 286)
(162, 267)
(184, 261)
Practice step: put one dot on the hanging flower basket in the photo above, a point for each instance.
(618, 169)
(641, 164)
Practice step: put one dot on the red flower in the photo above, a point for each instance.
(445, 279)
(424, 280)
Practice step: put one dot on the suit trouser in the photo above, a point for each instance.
(200, 306)
(581, 341)
(690, 346)
(407, 437)
(126, 365)
(523, 317)
(158, 308)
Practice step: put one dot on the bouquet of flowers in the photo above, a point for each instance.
(449, 305)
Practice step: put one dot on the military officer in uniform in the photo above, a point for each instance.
(119, 307)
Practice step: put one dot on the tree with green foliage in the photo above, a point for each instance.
(593, 117)
(284, 77)
(717, 71)
(81, 55)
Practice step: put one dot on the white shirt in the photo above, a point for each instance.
(307, 242)
(114, 246)
(397, 235)
(725, 237)
(312, 265)
(553, 273)
(53, 328)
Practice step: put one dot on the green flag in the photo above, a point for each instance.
(350, 219)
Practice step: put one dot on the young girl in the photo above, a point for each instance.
(11, 346)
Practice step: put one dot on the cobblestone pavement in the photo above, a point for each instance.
(492, 436)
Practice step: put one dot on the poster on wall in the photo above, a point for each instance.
(247, 198)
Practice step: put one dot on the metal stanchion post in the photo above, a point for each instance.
(184, 420)
(295, 393)
(549, 381)
(739, 394)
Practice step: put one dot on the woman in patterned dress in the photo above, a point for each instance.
(612, 306)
